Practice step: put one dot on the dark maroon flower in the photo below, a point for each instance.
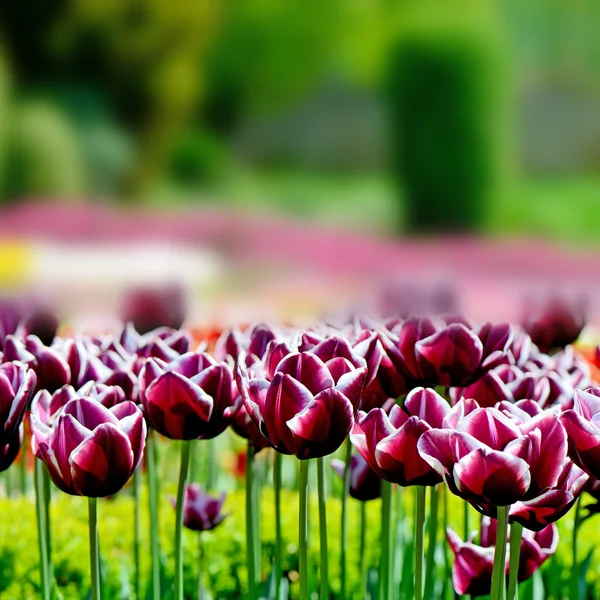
(50, 367)
(150, 308)
(191, 397)
(583, 430)
(389, 444)
(365, 484)
(555, 324)
(490, 459)
(430, 352)
(17, 384)
(308, 408)
(201, 511)
(91, 450)
(473, 563)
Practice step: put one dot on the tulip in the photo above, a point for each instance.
(190, 398)
(430, 352)
(555, 324)
(201, 511)
(389, 444)
(91, 450)
(245, 427)
(308, 408)
(583, 431)
(473, 563)
(489, 459)
(150, 308)
(50, 367)
(365, 484)
(17, 383)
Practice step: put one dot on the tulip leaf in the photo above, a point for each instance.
(584, 566)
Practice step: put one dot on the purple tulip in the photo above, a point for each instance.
(50, 367)
(201, 511)
(150, 308)
(192, 397)
(365, 484)
(491, 459)
(17, 384)
(245, 427)
(555, 324)
(473, 563)
(430, 352)
(389, 444)
(91, 450)
(583, 431)
(308, 408)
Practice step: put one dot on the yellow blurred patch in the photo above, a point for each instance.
(15, 263)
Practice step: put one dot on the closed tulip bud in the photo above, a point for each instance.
(201, 511)
(91, 450)
(365, 484)
(50, 367)
(389, 444)
(192, 397)
(491, 459)
(308, 408)
(17, 384)
(150, 308)
(555, 324)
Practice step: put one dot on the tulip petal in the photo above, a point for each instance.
(308, 369)
(428, 405)
(351, 385)
(102, 464)
(490, 427)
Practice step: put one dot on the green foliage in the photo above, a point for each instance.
(444, 102)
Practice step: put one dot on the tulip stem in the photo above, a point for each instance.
(344, 524)
(183, 473)
(322, 495)
(362, 557)
(153, 501)
(136, 534)
(432, 541)
(303, 528)
(516, 535)
(278, 545)
(419, 540)
(574, 549)
(385, 573)
(47, 492)
(94, 558)
(499, 572)
(42, 539)
(256, 513)
(250, 523)
(466, 521)
(23, 466)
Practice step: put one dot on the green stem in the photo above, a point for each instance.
(201, 594)
(42, 539)
(466, 521)
(323, 529)
(153, 507)
(94, 560)
(278, 545)
(210, 467)
(183, 473)
(447, 568)
(499, 572)
(47, 494)
(516, 535)
(256, 515)
(432, 542)
(385, 578)
(250, 523)
(136, 533)
(419, 540)
(398, 539)
(23, 466)
(363, 548)
(303, 528)
(574, 552)
(344, 524)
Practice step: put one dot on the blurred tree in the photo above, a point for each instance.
(445, 97)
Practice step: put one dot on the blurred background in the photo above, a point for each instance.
(251, 149)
